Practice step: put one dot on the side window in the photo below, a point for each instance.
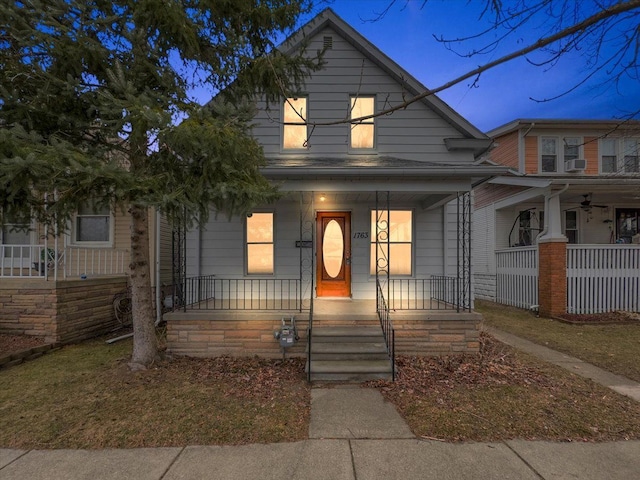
(549, 154)
(92, 224)
(260, 242)
(400, 228)
(294, 130)
(362, 134)
(571, 225)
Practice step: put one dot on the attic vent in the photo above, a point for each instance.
(328, 43)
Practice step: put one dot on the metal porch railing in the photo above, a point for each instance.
(209, 292)
(387, 327)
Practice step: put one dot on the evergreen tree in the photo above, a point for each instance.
(95, 104)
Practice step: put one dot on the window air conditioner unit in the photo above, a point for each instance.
(575, 165)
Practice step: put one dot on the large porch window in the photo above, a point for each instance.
(399, 224)
(260, 242)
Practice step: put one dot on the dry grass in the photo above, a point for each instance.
(85, 397)
(615, 348)
(504, 394)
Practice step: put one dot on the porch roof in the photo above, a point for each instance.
(299, 166)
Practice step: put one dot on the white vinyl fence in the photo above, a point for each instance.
(603, 278)
(517, 276)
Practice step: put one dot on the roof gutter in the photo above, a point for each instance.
(385, 172)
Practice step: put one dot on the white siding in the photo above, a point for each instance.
(415, 133)
(222, 244)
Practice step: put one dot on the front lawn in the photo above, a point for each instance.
(615, 348)
(84, 396)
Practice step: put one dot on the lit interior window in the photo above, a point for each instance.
(362, 132)
(260, 243)
(295, 129)
(400, 241)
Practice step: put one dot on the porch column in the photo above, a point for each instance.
(552, 261)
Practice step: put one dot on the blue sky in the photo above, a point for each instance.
(503, 94)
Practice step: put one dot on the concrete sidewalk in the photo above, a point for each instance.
(353, 435)
(388, 459)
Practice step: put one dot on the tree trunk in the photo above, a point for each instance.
(145, 343)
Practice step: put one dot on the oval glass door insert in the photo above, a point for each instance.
(333, 248)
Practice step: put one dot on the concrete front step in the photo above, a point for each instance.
(349, 351)
(350, 370)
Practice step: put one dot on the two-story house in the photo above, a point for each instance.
(560, 230)
(373, 225)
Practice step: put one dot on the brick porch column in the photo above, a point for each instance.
(552, 276)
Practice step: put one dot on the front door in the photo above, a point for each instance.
(333, 275)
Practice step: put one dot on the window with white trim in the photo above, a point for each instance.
(362, 132)
(620, 155)
(260, 244)
(399, 226)
(92, 225)
(553, 158)
(294, 129)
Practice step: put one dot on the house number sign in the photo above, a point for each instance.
(361, 235)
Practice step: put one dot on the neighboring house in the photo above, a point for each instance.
(561, 229)
(62, 287)
(375, 216)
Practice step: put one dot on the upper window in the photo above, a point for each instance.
(294, 130)
(619, 155)
(552, 157)
(363, 131)
(260, 244)
(92, 224)
(397, 226)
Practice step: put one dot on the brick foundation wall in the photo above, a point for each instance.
(552, 278)
(433, 336)
(61, 312)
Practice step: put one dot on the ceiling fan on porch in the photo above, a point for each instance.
(586, 205)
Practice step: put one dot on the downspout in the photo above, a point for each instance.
(521, 148)
(158, 292)
(546, 209)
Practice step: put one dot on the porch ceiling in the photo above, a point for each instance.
(425, 201)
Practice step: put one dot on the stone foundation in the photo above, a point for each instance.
(213, 333)
(60, 312)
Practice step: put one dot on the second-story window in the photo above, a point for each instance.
(555, 152)
(363, 131)
(620, 155)
(549, 157)
(631, 148)
(294, 130)
(608, 155)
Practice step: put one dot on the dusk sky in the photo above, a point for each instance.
(503, 94)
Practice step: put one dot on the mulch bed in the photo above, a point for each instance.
(10, 344)
(608, 318)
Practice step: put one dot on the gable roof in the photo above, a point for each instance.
(328, 18)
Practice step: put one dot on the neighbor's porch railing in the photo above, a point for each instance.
(40, 261)
(208, 292)
(603, 278)
(517, 276)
